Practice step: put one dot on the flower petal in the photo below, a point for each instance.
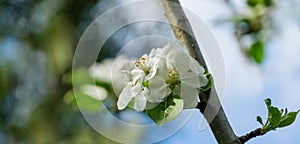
(136, 89)
(180, 60)
(203, 80)
(196, 67)
(189, 96)
(190, 79)
(125, 97)
(137, 76)
(153, 64)
(123, 65)
(177, 90)
(162, 69)
(120, 73)
(140, 100)
(158, 90)
(171, 46)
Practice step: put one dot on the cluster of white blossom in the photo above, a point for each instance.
(164, 72)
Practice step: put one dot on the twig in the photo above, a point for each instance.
(253, 134)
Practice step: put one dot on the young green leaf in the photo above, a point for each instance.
(268, 102)
(259, 119)
(256, 51)
(166, 111)
(288, 119)
(274, 117)
(210, 83)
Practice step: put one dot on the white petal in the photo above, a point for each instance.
(136, 89)
(120, 73)
(180, 60)
(155, 52)
(158, 90)
(196, 67)
(159, 68)
(203, 80)
(191, 79)
(166, 50)
(141, 101)
(190, 96)
(137, 76)
(137, 72)
(177, 90)
(94, 91)
(123, 65)
(162, 70)
(173, 45)
(125, 97)
(153, 64)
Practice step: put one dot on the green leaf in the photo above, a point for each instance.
(256, 51)
(210, 83)
(277, 118)
(288, 119)
(253, 3)
(146, 84)
(274, 117)
(166, 111)
(268, 102)
(259, 119)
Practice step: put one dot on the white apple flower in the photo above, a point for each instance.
(185, 75)
(143, 84)
(168, 70)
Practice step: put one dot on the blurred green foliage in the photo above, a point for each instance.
(37, 42)
(254, 27)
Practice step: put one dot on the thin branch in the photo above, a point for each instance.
(212, 108)
(253, 134)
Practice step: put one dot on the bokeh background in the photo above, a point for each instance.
(38, 39)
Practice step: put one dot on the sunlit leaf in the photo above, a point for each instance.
(256, 51)
(166, 111)
(274, 117)
(210, 83)
(259, 119)
(268, 102)
(288, 119)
